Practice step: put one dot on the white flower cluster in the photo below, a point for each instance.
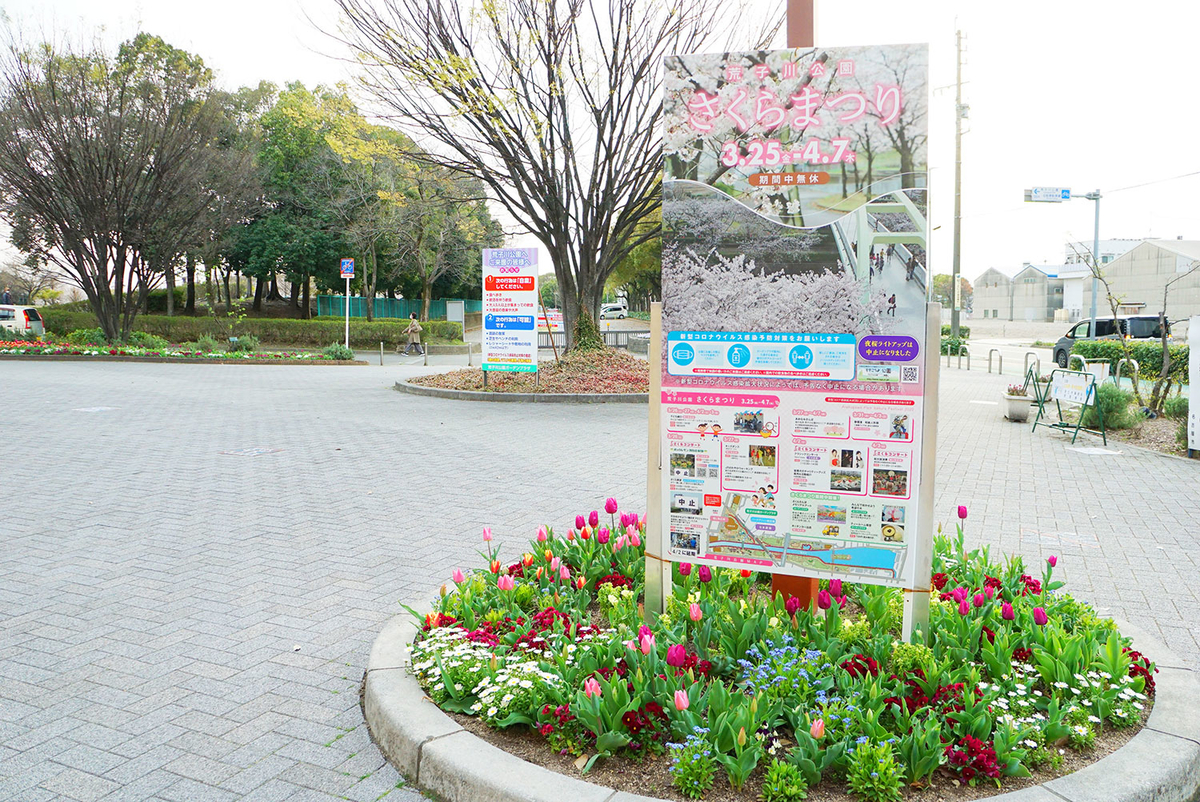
(516, 688)
(465, 662)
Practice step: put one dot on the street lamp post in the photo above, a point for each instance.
(1058, 195)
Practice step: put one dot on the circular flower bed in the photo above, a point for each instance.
(732, 685)
(66, 349)
(607, 370)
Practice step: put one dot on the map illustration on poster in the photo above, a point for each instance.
(794, 310)
(510, 309)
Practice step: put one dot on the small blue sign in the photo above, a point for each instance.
(801, 356)
(509, 322)
(738, 356)
(683, 354)
(347, 268)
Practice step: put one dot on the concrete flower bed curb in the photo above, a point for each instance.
(529, 398)
(188, 360)
(1161, 763)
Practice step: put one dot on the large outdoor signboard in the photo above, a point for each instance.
(510, 309)
(794, 311)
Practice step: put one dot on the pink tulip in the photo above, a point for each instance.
(989, 592)
(647, 644)
(835, 587)
(792, 605)
(635, 540)
(555, 563)
(1006, 612)
(676, 655)
(681, 700)
(487, 534)
(602, 536)
(593, 518)
(505, 582)
(962, 512)
(685, 569)
(591, 687)
(963, 607)
(979, 600)
(565, 573)
(579, 522)
(705, 574)
(1052, 560)
(458, 576)
(541, 535)
(610, 506)
(643, 631)
(817, 730)
(642, 522)
(841, 602)
(694, 612)
(959, 593)
(1039, 616)
(823, 600)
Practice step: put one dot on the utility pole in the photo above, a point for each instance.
(955, 292)
(1095, 196)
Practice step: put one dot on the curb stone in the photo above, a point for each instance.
(180, 360)
(1159, 764)
(528, 398)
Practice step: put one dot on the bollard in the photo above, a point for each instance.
(1000, 360)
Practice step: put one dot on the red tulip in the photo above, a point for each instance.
(823, 600)
(1039, 616)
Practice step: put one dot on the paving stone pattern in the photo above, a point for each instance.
(181, 624)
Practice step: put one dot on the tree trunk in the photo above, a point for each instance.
(189, 308)
(306, 312)
(228, 297)
(169, 274)
(370, 279)
(426, 296)
(209, 288)
(907, 179)
(274, 294)
(258, 294)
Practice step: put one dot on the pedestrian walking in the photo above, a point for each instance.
(6, 298)
(910, 268)
(414, 336)
(892, 305)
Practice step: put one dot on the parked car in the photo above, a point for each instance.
(21, 322)
(619, 311)
(1133, 327)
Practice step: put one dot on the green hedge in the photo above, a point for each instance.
(272, 331)
(963, 331)
(1148, 354)
(951, 345)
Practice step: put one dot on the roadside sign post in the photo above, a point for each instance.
(347, 273)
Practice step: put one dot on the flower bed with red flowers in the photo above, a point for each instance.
(604, 371)
(1016, 681)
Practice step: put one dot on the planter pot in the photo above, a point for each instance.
(1016, 407)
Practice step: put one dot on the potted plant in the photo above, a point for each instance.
(1016, 403)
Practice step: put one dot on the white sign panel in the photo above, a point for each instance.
(1049, 194)
(1070, 386)
(510, 303)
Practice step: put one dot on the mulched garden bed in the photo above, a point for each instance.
(587, 372)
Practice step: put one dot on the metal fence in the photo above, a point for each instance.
(335, 306)
(615, 339)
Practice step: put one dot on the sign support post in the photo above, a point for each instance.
(916, 598)
(658, 570)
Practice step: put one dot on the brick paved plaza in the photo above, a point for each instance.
(181, 624)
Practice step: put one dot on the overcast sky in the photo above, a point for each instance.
(1060, 95)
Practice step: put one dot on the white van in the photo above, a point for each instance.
(20, 322)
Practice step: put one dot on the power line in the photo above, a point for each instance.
(1156, 181)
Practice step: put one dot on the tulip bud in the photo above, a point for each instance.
(817, 730)
(963, 607)
(593, 518)
(705, 574)
(580, 582)
(694, 612)
(979, 600)
(989, 592)
(681, 700)
(1006, 612)
(549, 555)
(493, 663)
(458, 576)
(579, 522)
(1039, 616)
(741, 739)
(591, 687)
(487, 534)
(745, 572)
(635, 540)
(442, 592)
(1052, 560)
(676, 655)
(571, 535)
(962, 513)
(835, 587)
(565, 573)
(541, 534)
(610, 506)
(823, 600)
(792, 605)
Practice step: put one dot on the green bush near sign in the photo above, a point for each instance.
(963, 331)
(275, 331)
(950, 345)
(1114, 404)
(1148, 354)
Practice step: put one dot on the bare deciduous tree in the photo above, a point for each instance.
(553, 105)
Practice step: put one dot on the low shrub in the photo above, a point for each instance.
(207, 344)
(950, 345)
(1181, 434)
(1148, 354)
(338, 351)
(150, 342)
(1176, 407)
(1114, 406)
(276, 331)
(92, 336)
(247, 343)
(964, 332)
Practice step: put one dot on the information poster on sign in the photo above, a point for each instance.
(510, 309)
(1193, 432)
(794, 310)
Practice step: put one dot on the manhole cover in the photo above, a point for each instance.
(251, 452)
